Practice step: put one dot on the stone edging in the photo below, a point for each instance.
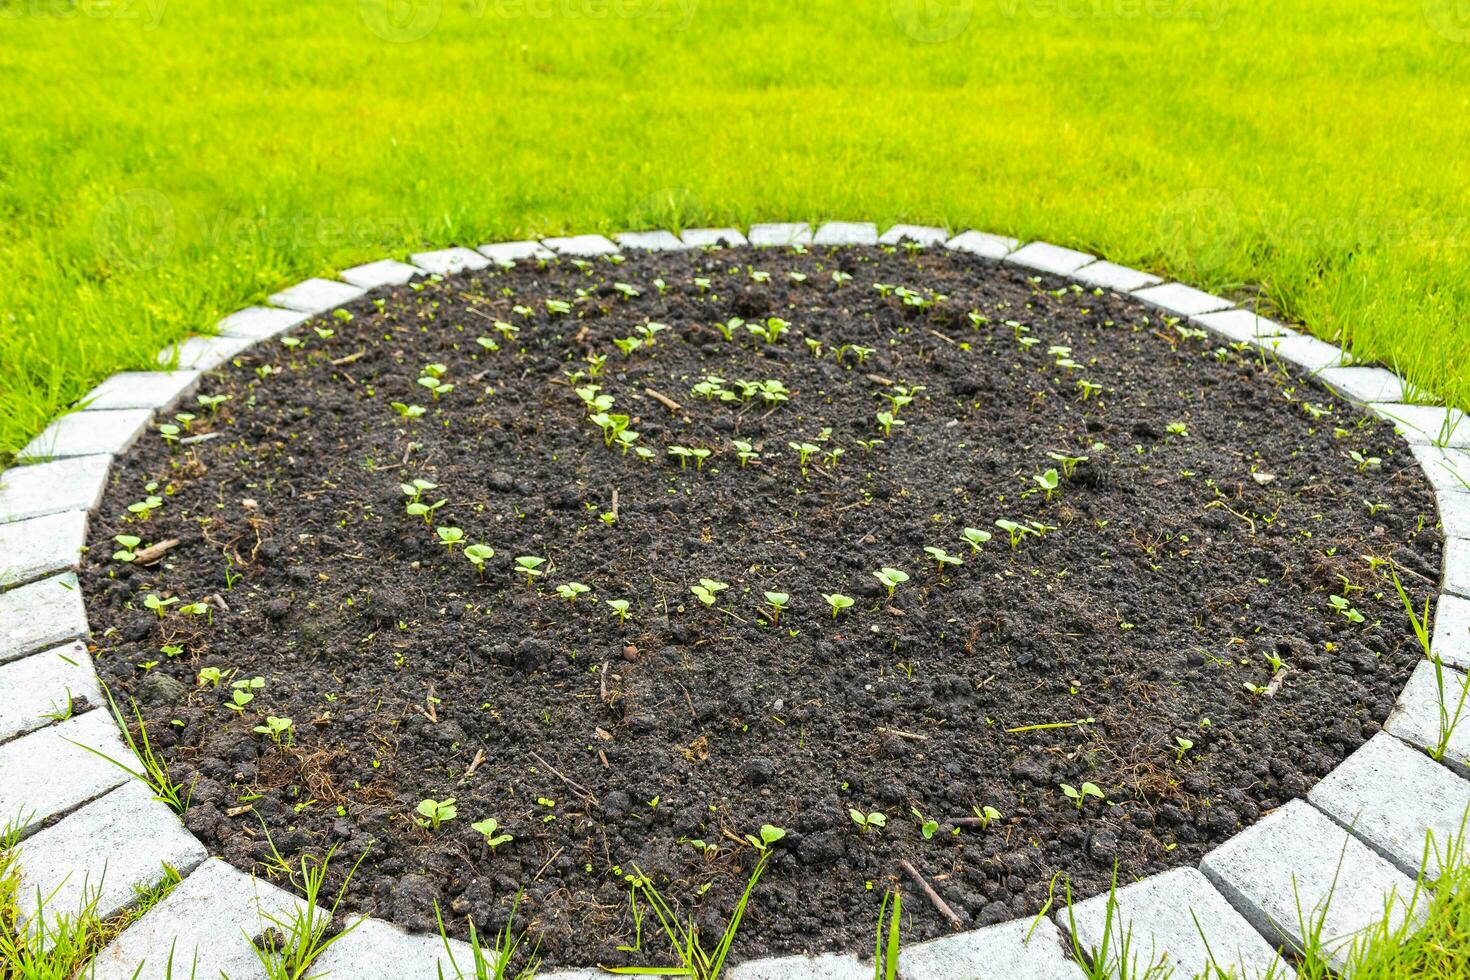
(1360, 830)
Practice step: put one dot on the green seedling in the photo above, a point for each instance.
(831, 456)
(143, 509)
(276, 728)
(212, 402)
(619, 609)
(489, 829)
(975, 537)
(838, 602)
(210, 676)
(408, 412)
(530, 566)
(1016, 531)
(558, 307)
(1047, 481)
(648, 330)
(886, 422)
(769, 835)
(986, 815)
(770, 331)
(570, 590)
(685, 453)
(803, 452)
(707, 591)
(867, 821)
(434, 813)
(1069, 463)
(1364, 462)
(170, 433)
(627, 290)
(1181, 746)
(1087, 389)
(745, 452)
(942, 557)
(1345, 608)
(436, 387)
(1079, 796)
(890, 579)
(477, 555)
(1177, 429)
(449, 537)
(127, 548)
(627, 345)
(927, 827)
(159, 606)
(777, 602)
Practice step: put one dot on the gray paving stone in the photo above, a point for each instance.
(1431, 425)
(828, 966)
(651, 241)
(925, 235)
(1155, 915)
(40, 546)
(316, 295)
(384, 272)
(50, 488)
(29, 789)
(1045, 257)
(108, 848)
(378, 950)
(1416, 716)
(983, 244)
(1240, 326)
(1107, 275)
(1366, 384)
(1182, 300)
(778, 233)
(1392, 798)
(88, 433)
(261, 322)
(34, 686)
(710, 237)
(1305, 353)
(142, 389)
(1454, 513)
(999, 952)
(846, 233)
(448, 261)
(203, 353)
(204, 922)
(572, 975)
(1447, 470)
(504, 253)
(1296, 864)
(581, 245)
(1457, 566)
(1451, 640)
(41, 615)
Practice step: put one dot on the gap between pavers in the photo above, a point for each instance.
(206, 924)
(104, 852)
(87, 433)
(41, 546)
(154, 390)
(30, 791)
(51, 488)
(1416, 715)
(41, 615)
(1393, 798)
(1295, 867)
(1457, 566)
(1023, 949)
(1164, 917)
(44, 684)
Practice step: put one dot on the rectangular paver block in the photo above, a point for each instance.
(652, 241)
(51, 488)
(778, 233)
(448, 261)
(1447, 470)
(377, 950)
(203, 353)
(1454, 513)
(1158, 916)
(1296, 865)
(710, 237)
(1053, 259)
(846, 233)
(1120, 278)
(316, 295)
(508, 253)
(261, 322)
(1431, 425)
(40, 546)
(828, 966)
(1182, 300)
(925, 235)
(583, 245)
(1240, 326)
(41, 615)
(204, 922)
(1416, 717)
(105, 850)
(1366, 384)
(1305, 353)
(1451, 639)
(384, 272)
(44, 684)
(983, 244)
(1001, 952)
(1393, 797)
(88, 433)
(29, 787)
(1457, 566)
(142, 389)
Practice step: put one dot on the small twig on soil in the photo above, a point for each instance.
(152, 553)
(939, 904)
(878, 379)
(1221, 505)
(344, 361)
(903, 734)
(615, 505)
(948, 340)
(1276, 682)
(1051, 725)
(602, 685)
(572, 784)
(554, 855)
(664, 400)
(474, 763)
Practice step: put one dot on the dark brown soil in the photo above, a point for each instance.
(1217, 511)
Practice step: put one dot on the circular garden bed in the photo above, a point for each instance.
(916, 557)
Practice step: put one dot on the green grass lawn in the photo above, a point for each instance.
(162, 163)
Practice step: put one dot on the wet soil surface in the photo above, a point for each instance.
(1163, 633)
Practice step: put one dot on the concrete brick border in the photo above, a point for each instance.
(1370, 814)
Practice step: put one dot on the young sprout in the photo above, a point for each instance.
(769, 835)
(942, 558)
(1182, 745)
(170, 434)
(867, 821)
(840, 277)
(626, 290)
(890, 579)
(144, 508)
(886, 422)
(128, 547)
(745, 452)
(975, 537)
(986, 815)
(777, 601)
(1342, 605)
(1364, 462)
(209, 675)
(488, 343)
(449, 537)
(477, 555)
(648, 330)
(1069, 463)
(417, 508)
(435, 386)
(530, 566)
(728, 328)
(619, 609)
(408, 412)
(1087, 388)
(627, 345)
(804, 452)
(831, 456)
(276, 728)
(707, 591)
(570, 590)
(1177, 429)
(1047, 481)
(159, 606)
(1016, 531)
(838, 602)
(771, 330)
(595, 363)
(1079, 796)
(435, 812)
(558, 307)
(212, 402)
(684, 454)
(625, 440)
(488, 829)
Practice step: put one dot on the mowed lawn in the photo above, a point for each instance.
(163, 162)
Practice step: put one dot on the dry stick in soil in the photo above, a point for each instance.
(572, 784)
(939, 904)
